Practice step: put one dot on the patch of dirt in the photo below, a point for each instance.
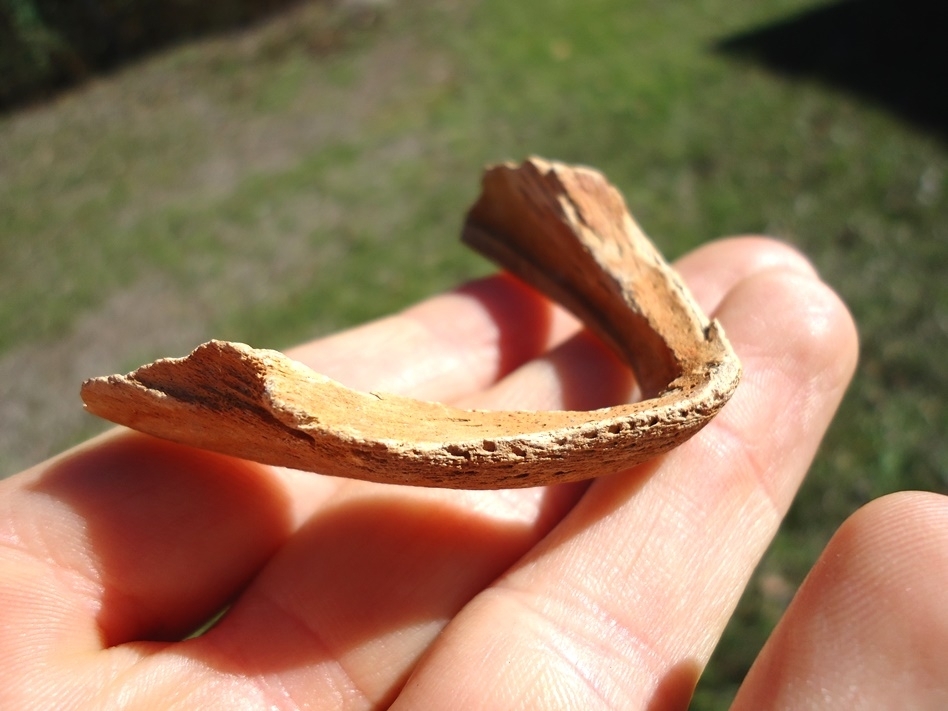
(215, 142)
(40, 409)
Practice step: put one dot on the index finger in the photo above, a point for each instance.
(447, 347)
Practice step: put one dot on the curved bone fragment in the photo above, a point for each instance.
(563, 229)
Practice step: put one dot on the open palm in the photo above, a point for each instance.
(343, 594)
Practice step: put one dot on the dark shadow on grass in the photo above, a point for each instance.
(47, 46)
(891, 52)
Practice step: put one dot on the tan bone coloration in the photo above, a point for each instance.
(563, 229)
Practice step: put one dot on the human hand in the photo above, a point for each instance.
(346, 594)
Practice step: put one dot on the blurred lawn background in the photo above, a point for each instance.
(277, 182)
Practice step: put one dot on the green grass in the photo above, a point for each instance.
(280, 187)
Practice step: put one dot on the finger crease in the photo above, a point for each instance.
(347, 692)
(582, 634)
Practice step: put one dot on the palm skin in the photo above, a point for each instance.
(344, 594)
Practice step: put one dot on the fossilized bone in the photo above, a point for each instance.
(564, 230)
